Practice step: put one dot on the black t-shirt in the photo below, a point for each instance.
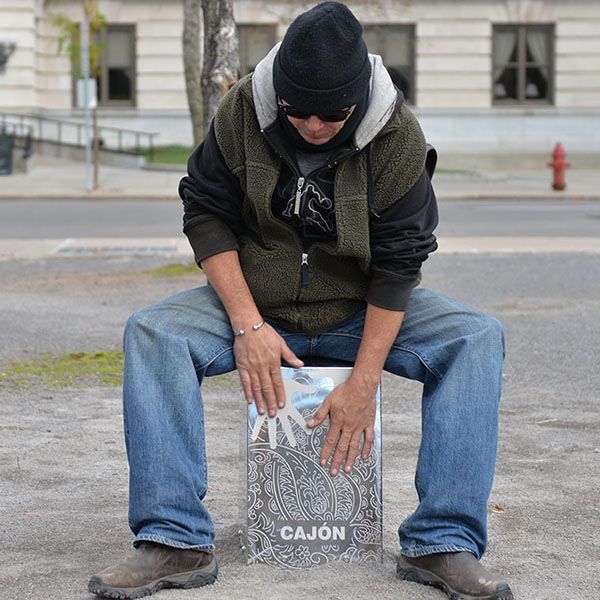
(316, 218)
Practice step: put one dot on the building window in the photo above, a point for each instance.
(396, 45)
(116, 79)
(115, 75)
(255, 43)
(523, 64)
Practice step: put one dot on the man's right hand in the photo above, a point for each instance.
(258, 355)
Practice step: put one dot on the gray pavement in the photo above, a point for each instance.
(89, 218)
(44, 228)
(63, 472)
(71, 273)
(46, 212)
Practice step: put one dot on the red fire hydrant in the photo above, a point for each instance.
(559, 164)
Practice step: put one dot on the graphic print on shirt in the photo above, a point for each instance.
(316, 208)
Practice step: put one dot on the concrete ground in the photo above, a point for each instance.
(63, 472)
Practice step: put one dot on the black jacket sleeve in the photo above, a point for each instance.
(212, 200)
(401, 239)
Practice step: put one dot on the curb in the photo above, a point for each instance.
(517, 196)
(12, 249)
(82, 196)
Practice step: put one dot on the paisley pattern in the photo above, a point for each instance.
(298, 515)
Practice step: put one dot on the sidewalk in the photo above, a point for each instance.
(55, 178)
(519, 185)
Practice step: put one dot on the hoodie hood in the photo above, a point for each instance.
(384, 98)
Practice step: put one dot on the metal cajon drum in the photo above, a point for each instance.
(298, 515)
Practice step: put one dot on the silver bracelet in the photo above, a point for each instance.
(256, 327)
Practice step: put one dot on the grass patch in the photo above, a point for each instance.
(175, 269)
(453, 172)
(171, 155)
(80, 369)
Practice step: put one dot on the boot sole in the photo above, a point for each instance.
(191, 579)
(416, 575)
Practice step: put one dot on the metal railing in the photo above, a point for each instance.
(72, 132)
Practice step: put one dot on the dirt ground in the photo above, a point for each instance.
(63, 472)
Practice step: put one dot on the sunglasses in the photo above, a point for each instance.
(335, 116)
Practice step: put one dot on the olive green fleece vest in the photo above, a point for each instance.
(271, 251)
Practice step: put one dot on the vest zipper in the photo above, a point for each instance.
(304, 269)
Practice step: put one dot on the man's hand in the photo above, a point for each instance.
(258, 356)
(351, 409)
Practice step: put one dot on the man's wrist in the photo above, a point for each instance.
(367, 379)
(245, 320)
(243, 331)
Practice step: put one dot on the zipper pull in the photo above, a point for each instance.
(304, 268)
(298, 196)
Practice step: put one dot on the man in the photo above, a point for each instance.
(310, 209)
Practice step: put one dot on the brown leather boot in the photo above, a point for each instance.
(459, 574)
(151, 567)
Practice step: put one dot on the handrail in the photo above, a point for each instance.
(18, 129)
(69, 122)
(118, 132)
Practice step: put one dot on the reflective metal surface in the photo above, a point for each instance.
(298, 515)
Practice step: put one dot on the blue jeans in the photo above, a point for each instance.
(454, 350)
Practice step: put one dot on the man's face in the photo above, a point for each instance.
(314, 130)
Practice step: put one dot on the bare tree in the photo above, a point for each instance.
(221, 58)
(192, 65)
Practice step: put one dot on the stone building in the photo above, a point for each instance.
(489, 80)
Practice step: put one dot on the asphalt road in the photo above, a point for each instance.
(31, 219)
(63, 473)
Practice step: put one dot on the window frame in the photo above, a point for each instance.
(412, 30)
(521, 64)
(104, 102)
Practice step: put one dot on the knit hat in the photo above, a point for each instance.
(322, 63)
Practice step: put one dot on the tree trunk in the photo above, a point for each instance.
(192, 65)
(221, 59)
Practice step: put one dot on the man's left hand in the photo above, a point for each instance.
(351, 409)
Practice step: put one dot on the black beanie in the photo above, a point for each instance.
(322, 63)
